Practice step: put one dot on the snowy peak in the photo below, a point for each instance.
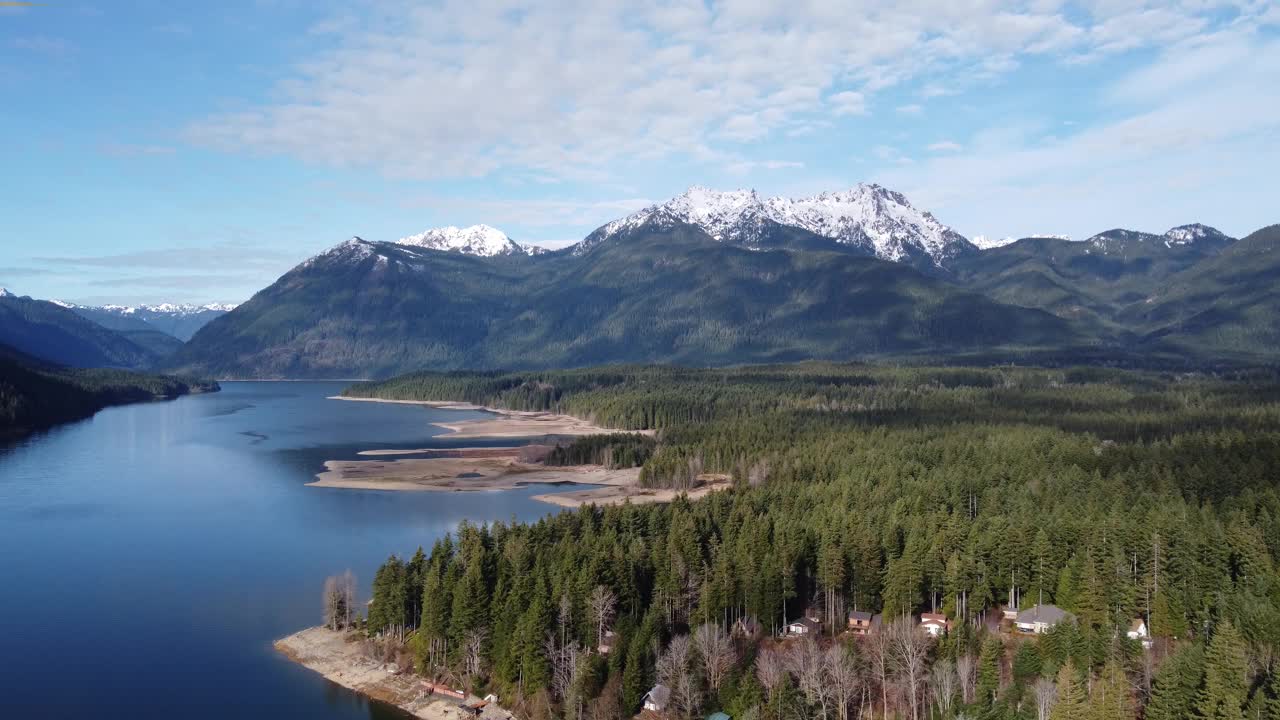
(982, 242)
(1193, 233)
(877, 219)
(4, 292)
(479, 240)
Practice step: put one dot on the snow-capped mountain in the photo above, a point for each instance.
(181, 320)
(479, 240)
(1194, 234)
(871, 217)
(982, 242)
(4, 292)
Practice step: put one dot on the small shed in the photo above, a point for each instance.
(934, 624)
(804, 626)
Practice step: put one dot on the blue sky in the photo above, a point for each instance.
(158, 151)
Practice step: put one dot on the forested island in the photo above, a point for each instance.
(34, 395)
(898, 542)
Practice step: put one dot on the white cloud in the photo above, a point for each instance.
(848, 103)
(912, 109)
(577, 88)
(943, 146)
(1194, 134)
(744, 167)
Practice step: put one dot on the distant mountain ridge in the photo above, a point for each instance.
(58, 335)
(179, 320)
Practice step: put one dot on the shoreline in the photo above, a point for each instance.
(339, 657)
(508, 424)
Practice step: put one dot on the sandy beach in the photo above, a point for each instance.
(512, 424)
(340, 658)
(465, 474)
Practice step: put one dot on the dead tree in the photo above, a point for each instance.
(473, 654)
(339, 600)
(967, 677)
(770, 670)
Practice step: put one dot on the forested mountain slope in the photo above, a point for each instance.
(58, 335)
(35, 396)
(1114, 496)
(667, 294)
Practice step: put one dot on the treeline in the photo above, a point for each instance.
(1115, 496)
(32, 398)
(613, 450)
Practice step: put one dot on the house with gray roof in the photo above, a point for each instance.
(1041, 618)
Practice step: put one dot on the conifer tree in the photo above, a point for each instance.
(1226, 676)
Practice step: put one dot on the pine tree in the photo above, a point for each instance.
(1173, 693)
(988, 686)
(1111, 699)
(1073, 701)
(1226, 679)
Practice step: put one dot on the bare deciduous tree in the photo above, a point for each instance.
(805, 661)
(603, 604)
(879, 656)
(944, 685)
(967, 676)
(909, 647)
(717, 652)
(473, 653)
(674, 671)
(770, 670)
(339, 601)
(566, 667)
(843, 678)
(1046, 693)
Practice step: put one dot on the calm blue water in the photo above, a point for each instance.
(150, 556)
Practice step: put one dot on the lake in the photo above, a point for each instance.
(150, 555)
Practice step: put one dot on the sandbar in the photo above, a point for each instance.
(507, 424)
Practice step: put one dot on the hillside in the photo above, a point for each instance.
(1229, 303)
(34, 396)
(1092, 281)
(60, 336)
(649, 294)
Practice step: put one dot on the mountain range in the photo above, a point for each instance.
(711, 278)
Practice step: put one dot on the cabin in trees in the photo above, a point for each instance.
(935, 624)
(1138, 631)
(606, 642)
(860, 622)
(656, 699)
(1041, 618)
(810, 624)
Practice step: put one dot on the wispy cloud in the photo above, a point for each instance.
(943, 146)
(465, 89)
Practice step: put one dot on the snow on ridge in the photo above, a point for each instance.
(481, 240)
(866, 215)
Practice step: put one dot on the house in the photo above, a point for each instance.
(606, 642)
(718, 716)
(934, 624)
(1041, 618)
(860, 622)
(656, 699)
(1138, 631)
(805, 626)
(1010, 613)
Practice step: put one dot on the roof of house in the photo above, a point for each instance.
(927, 618)
(660, 694)
(1137, 625)
(718, 716)
(808, 623)
(859, 616)
(1047, 614)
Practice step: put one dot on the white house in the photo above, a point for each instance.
(1138, 631)
(934, 624)
(656, 699)
(804, 626)
(1041, 618)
